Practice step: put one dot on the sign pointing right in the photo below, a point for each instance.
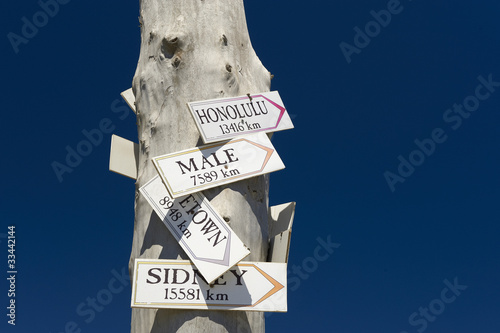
(201, 232)
(204, 167)
(227, 118)
(248, 286)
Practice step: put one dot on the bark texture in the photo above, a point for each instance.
(194, 50)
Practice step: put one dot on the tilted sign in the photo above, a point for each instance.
(249, 286)
(226, 118)
(201, 232)
(129, 97)
(280, 231)
(220, 163)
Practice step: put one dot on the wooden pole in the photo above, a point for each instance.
(194, 50)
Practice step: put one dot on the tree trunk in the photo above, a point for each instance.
(194, 50)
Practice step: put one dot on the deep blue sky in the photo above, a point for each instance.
(354, 122)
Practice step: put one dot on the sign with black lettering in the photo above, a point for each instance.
(227, 118)
(201, 232)
(248, 286)
(204, 167)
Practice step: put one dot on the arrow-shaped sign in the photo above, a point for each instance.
(201, 232)
(248, 286)
(227, 118)
(196, 169)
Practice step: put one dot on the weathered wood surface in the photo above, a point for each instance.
(194, 50)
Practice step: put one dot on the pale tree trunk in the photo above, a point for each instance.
(194, 50)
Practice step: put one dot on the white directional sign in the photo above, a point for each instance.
(201, 232)
(123, 157)
(249, 286)
(212, 165)
(280, 231)
(128, 96)
(227, 118)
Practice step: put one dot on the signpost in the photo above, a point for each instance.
(177, 66)
(201, 232)
(227, 118)
(249, 286)
(204, 167)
